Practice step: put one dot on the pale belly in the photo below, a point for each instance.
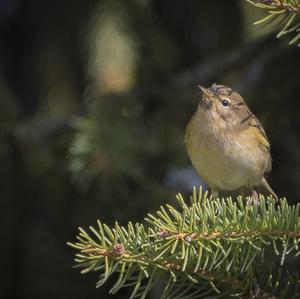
(228, 169)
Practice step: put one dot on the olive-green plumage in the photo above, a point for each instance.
(226, 143)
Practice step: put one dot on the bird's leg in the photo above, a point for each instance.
(214, 193)
(253, 197)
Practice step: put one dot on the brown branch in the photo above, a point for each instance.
(92, 251)
(118, 251)
(221, 235)
(279, 5)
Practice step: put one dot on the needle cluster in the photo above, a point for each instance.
(284, 14)
(208, 247)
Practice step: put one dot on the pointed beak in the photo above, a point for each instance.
(206, 101)
(205, 91)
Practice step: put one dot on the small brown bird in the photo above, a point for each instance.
(226, 143)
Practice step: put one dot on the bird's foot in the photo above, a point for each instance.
(253, 199)
(214, 194)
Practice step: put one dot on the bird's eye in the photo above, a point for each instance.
(225, 103)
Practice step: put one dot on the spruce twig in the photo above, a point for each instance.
(284, 12)
(210, 246)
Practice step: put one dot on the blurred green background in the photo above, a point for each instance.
(94, 99)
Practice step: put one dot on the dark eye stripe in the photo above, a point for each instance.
(241, 104)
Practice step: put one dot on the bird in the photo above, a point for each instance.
(227, 144)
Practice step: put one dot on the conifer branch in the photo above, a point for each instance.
(285, 13)
(210, 246)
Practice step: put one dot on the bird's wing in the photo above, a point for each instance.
(251, 123)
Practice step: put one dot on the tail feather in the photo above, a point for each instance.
(268, 187)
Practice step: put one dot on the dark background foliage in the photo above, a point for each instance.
(94, 99)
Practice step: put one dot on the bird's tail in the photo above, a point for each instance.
(268, 187)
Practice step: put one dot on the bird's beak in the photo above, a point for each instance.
(205, 91)
(206, 101)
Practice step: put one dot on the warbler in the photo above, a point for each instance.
(226, 143)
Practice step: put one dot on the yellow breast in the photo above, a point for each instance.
(224, 161)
